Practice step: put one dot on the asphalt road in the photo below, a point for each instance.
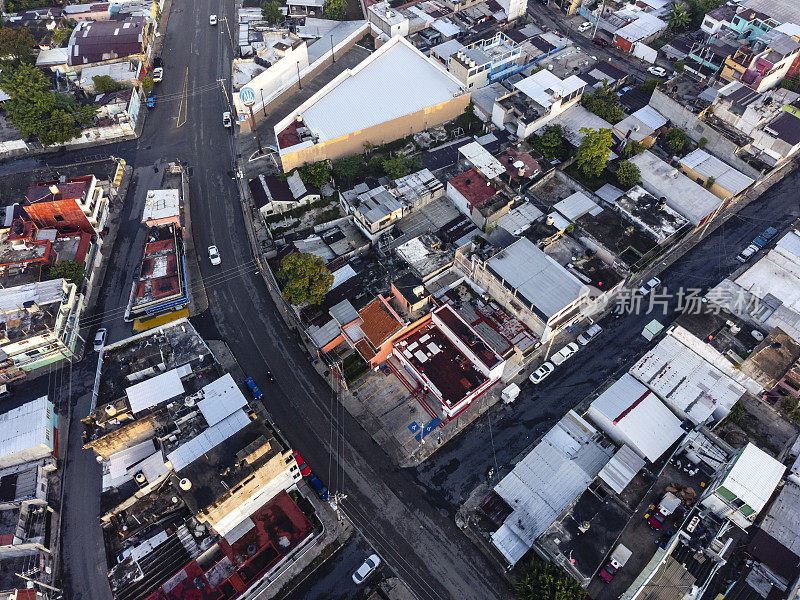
(407, 515)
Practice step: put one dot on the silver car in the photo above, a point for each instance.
(563, 354)
(366, 569)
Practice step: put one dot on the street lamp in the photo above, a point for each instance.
(299, 83)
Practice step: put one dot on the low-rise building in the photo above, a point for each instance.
(388, 21)
(97, 42)
(642, 126)
(679, 192)
(535, 101)
(28, 433)
(273, 195)
(40, 325)
(162, 207)
(482, 62)
(762, 64)
(648, 214)
(530, 285)
(720, 179)
(632, 414)
(742, 490)
(375, 210)
(641, 28)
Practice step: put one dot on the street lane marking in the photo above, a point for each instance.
(184, 99)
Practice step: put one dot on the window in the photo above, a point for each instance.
(58, 218)
(47, 434)
(294, 468)
(289, 459)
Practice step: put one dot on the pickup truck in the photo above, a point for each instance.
(618, 559)
(657, 515)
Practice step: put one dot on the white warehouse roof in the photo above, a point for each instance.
(687, 382)
(26, 427)
(754, 476)
(631, 413)
(221, 397)
(155, 390)
(544, 483)
(384, 80)
(482, 160)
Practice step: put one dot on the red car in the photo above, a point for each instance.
(600, 42)
(305, 470)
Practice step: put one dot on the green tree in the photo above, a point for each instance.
(334, 9)
(680, 65)
(679, 15)
(315, 174)
(676, 140)
(702, 143)
(648, 86)
(38, 111)
(68, 269)
(544, 581)
(306, 278)
(148, 83)
(550, 143)
(710, 182)
(16, 45)
(632, 149)
(604, 104)
(396, 166)
(64, 31)
(105, 83)
(593, 153)
(349, 170)
(791, 83)
(271, 12)
(628, 174)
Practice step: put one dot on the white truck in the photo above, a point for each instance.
(618, 559)
(657, 515)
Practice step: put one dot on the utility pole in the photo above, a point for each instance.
(597, 19)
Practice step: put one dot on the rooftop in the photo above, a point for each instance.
(425, 255)
(96, 41)
(543, 87)
(503, 332)
(161, 204)
(30, 309)
(544, 483)
(753, 476)
(724, 175)
(630, 411)
(474, 187)
(783, 515)
(161, 275)
(537, 278)
(380, 322)
(327, 114)
(26, 427)
(482, 160)
(648, 214)
(682, 194)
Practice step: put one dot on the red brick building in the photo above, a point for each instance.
(60, 206)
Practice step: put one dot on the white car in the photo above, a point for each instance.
(657, 71)
(213, 255)
(366, 569)
(585, 26)
(100, 339)
(539, 374)
(226, 119)
(745, 254)
(588, 335)
(212, 19)
(563, 354)
(648, 287)
(158, 74)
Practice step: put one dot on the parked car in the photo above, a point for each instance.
(150, 102)
(4, 391)
(563, 354)
(588, 335)
(585, 26)
(212, 19)
(745, 254)
(226, 119)
(539, 374)
(366, 569)
(213, 255)
(657, 71)
(624, 91)
(600, 41)
(657, 515)
(158, 74)
(100, 339)
(618, 559)
(254, 389)
(319, 487)
(305, 470)
(648, 287)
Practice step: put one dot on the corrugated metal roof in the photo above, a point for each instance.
(643, 27)
(576, 205)
(724, 175)
(344, 312)
(221, 397)
(650, 117)
(610, 193)
(155, 390)
(685, 381)
(25, 427)
(537, 277)
(518, 219)
(543, 86)
(119, 462)
(621, 469)
(546, 482)
(482, 160)
(637, 414)
(40, 292)
(783, 516)
(187, 453)
(754, 476)
(325, 334)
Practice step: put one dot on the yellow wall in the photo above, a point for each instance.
(382, 133)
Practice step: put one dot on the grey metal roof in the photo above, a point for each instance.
(783, 516)
(621, 469)
(724, 175)
(538, 279)
(609, 193)
(344, 312)
(325, 334)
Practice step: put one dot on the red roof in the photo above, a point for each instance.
(288, 137)
(474, 187)
(380, 322)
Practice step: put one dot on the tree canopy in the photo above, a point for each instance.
(348, 170)
(105, 83)
(68, 269)
(315, 174)
(37, 110)
(604, 104)
(593, 153)
(334, 9)
(16, 45)
(271, 12)
(676, 140)
(306, 278)
(550, 143)
(628, 174)
(679, 16)
(543, 581)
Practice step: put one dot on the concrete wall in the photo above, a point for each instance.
(695, 128)
(377, 134)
